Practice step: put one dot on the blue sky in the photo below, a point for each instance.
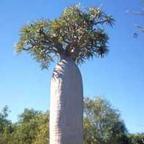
(119, 77)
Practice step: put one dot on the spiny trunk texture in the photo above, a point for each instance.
(66, 106)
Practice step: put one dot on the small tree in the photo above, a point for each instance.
(6, 127)
(74, 37)
(102, 123)
(136, 138)
(26, 128)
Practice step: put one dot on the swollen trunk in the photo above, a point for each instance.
(66, 106)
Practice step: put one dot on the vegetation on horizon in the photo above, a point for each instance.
(102, 125)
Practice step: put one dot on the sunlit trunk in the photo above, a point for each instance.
(66, 106)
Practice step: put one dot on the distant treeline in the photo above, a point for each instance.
(102, 125)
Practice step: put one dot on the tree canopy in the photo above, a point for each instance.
(136, 138)
(31, 128)
(77, 33)
(102, 123)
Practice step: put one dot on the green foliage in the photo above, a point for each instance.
(136, 138)
(6, 127)
(42, 136)
(77, 33)
(31, 128)
(3, 118)
(28, 128)
(102, 123)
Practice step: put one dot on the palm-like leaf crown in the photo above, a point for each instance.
(77, 33)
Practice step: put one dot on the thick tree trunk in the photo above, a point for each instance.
(66, 106)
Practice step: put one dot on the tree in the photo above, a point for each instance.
(42, 132)
(102, 123)
(6, 127)
(31, 128)
(3, 118)
(74, 37)
(136, 138)
(27, 127)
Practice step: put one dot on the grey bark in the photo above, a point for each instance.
(66, 105)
